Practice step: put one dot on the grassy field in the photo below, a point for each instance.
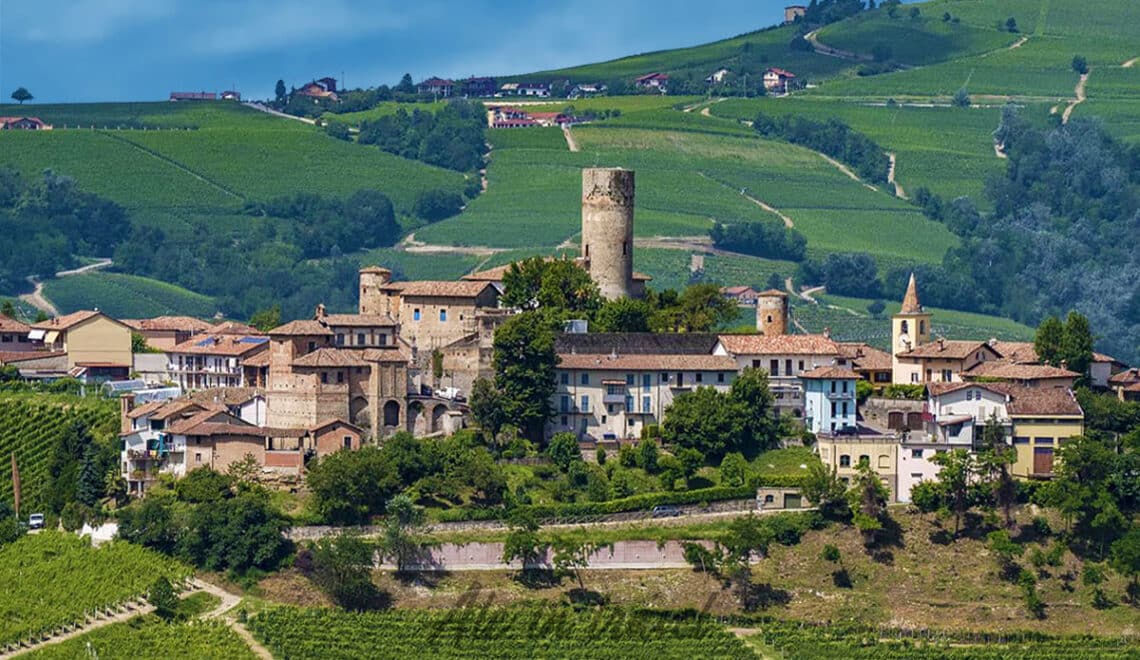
(126, 296)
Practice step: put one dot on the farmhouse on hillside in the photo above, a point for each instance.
(23, 124)
(777, 80)
(438, 87)
(654, 80)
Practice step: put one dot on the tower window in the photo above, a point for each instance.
(922, 327)
(624, 248)
(905, 327)
(587, 250)
(769, 318)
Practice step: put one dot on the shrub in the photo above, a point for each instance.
(437, 204)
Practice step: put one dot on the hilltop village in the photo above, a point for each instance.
(213, 395)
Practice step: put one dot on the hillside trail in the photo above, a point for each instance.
(1079, 91)
(767, 207)
(899, 192)
(707, 110)
(846, 170)
(1130, 63)
(823, 49)
(96, 265)
(571, 143)
(277, 113)
(1014, 46)
(36, 299)
(410, 244)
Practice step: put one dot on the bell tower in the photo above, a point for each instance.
(910, 328)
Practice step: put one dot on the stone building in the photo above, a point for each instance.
(772, 313)
(607, 230)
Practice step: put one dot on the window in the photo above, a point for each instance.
(340, 377)
(564, 421)
(604, 419)
(624, 248)
(564, 378)
(664, 377)
(360, 338)
(833, 409)
(1021, 440)
(833, 387)
(769, 499)
(1044, 441)
(922, 327)
(774, 367)
(917, 476)
(947, 375)
(7, 339)
(646, 380)
(844, 408)
(564, 404)
(844, 461)
(324, 378)
(700, 377)
(929, 374)
(788, 367)
(629, 380)
(628, 403)
(609, 409)
(197, 457)
(845, 387)
(585, 403)
(864, 460)
(645, 404)
(585, 379)
(914, 378)
(442, 315)
(680, 379)
(720, 377)
(359, 370)
(415, 314)
(613, 390)
(801, 365)
(340, 339)
(916, 453)
(969, 395)
(347, 442)
(905, 328)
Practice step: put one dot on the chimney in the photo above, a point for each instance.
(941, 343)
(827, 333)
(320, 314)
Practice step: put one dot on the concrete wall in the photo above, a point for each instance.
(488, 556)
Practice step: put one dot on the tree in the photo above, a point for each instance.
(8, 309)
(573, 555)
(957, 467)
(961, 98)
(1093, 576)
(404, 521)
(703, 419)
(437, 204)
(647, 455)
(1126, 557)
(149, 523)
(351, 486)
(22, 94)
(733, 470)
(342, 567)
(670, 470)
(162, 596)
(238, 534)
(1011, 24)
(826, 490)
(1080, 64)
(90, 486)
(623, 315)
(702, 309)
(406, 85)
(868, 500)
(875, 308)
(522, 542)
(524, 361)
(1077, 344)
(752, 397)
(946, 17)
(564, 450)
(204, 485)
(1047, 342)
(266, 319)
(486, 403)
(1006, 552)
(993, 463)
(279, 91)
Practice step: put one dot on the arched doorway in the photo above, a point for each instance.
(392, 413)
(437, 414)
(896, 420)
(416, 418)
(358, 412)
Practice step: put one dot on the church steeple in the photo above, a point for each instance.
(910, 304)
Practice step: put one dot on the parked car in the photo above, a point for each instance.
(36, 521)
(666, 511)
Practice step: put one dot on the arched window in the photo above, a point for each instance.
(391, 414)
(768, 499)
(905, 326)
(922, 327)
(844, 461)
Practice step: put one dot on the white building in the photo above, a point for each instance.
(785, 358)
(205, 362)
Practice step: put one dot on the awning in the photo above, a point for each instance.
(51, 336)
(613, 382)
(957, 419)
(37, 335)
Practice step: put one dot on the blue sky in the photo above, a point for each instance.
(137, 50)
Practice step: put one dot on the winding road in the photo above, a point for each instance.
(37, 299)
(1079, 91)
(899, 192)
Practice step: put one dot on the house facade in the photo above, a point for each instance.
(88, 338)
(785, 358)
(829, 399)
(844, 454)
(166, 332)
(209, 361)
(14, 337)
(778, 80)
(438, 87)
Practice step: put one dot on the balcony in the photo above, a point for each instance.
(613, 398)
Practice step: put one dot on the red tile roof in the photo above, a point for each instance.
(1021, 399)
(1009, 371)
(71, 320)
(781, 72)
(224, 345)
(169, 324)
(830, 373)
(359, 320)
(779, 345)
(866, 357)
(301, 328)
(439, 289)
(235, 328)
(12, 357)
(332, 357)
(12, 325)
(647, 362)
(949, 349)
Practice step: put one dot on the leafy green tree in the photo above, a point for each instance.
(647, 455)
(486, 403)
(956, 469)
(1047, 343)
(1011, 24)
(162, 596)
(1093, 576)
(573, 555)
(824, 489)
(402, 525)
(670, 470)
(567, 287)
(993, 464)
(705, 420)
(699, 308)
(406, 85)
(522, 542)
(961, 98)
(204, 484)
(342, 567)
(831, 553)
(868, 501)
(1126, 557)
(1005, 550)
(437, 204)
(752, 397)
(733, 469)
(564, 450)
(623, 315)
(1080, 64)
(876, 308)
(238, 534)
(149, 523)
(266, 319)
(1077, 344)
(1089, 480)
(350, 486)
(524, 361)
(22, 94)
(8, 309)
(279, 91)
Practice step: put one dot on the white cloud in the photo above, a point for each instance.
(80, 22)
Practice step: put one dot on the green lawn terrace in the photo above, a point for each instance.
(209, 157)
(686, 181)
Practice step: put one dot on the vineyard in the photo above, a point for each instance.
(533, 632)
(794, 641)
(31, 427)
(54, 581)
(150, 638)
(126, 296)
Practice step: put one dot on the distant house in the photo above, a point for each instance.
(193, 96)
(328, 83)
(777, 80)
(438, 87)
(230, 95)
(164, 332)
(212, 360)
(741, 295)
(717, 76)
(23, 124)
(479, 87)
(538, 89)
(653, 80)
(318, 90)
(587, 90)
(793, 12)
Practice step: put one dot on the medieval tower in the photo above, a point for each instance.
(772, 313)
(373, 300)
(607, 229)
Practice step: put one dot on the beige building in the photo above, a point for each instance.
(88, 338)
(429, 314)
(785, 358)
(166, 332)
(845, 453)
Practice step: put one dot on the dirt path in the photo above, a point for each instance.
(1079, 91)
(571, 143)
(254, 645)
(410, 244)
(270, 111)
(767, 207)
(899, 192)
(998, 151)
(1018, 44)
(822, 49)
(807, 294)
(1130, 63)
(229, 601)
(846, 170)
(36, 298)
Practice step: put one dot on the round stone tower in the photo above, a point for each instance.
(772, 312)
(372, 299)
(607, 229)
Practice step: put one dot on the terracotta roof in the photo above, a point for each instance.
(1010, 371)
(390, 354)
(8, 324)
(1101, 357)
(332, 357)
(12, 357)
(830, 373)
(214, 422)
(330, 422)
(145, 409)
(910, 304)
(1126, 377)
(633, 343)
(647, 362)
(301, 328)
(359, 320)
(448, 289)
(169, 324)
(69, 320)
(865, 356)
(257, 360)
(225, 345)
(1022, 400)
(235, 328)
(736, 290)
(781, 72)
(1020, 352)
(177, 407)
(949, 349)
(779, 345)
(230, 396)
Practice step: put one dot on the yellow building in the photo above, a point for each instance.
(1043, 418)
(89, 339)
(844, 453)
